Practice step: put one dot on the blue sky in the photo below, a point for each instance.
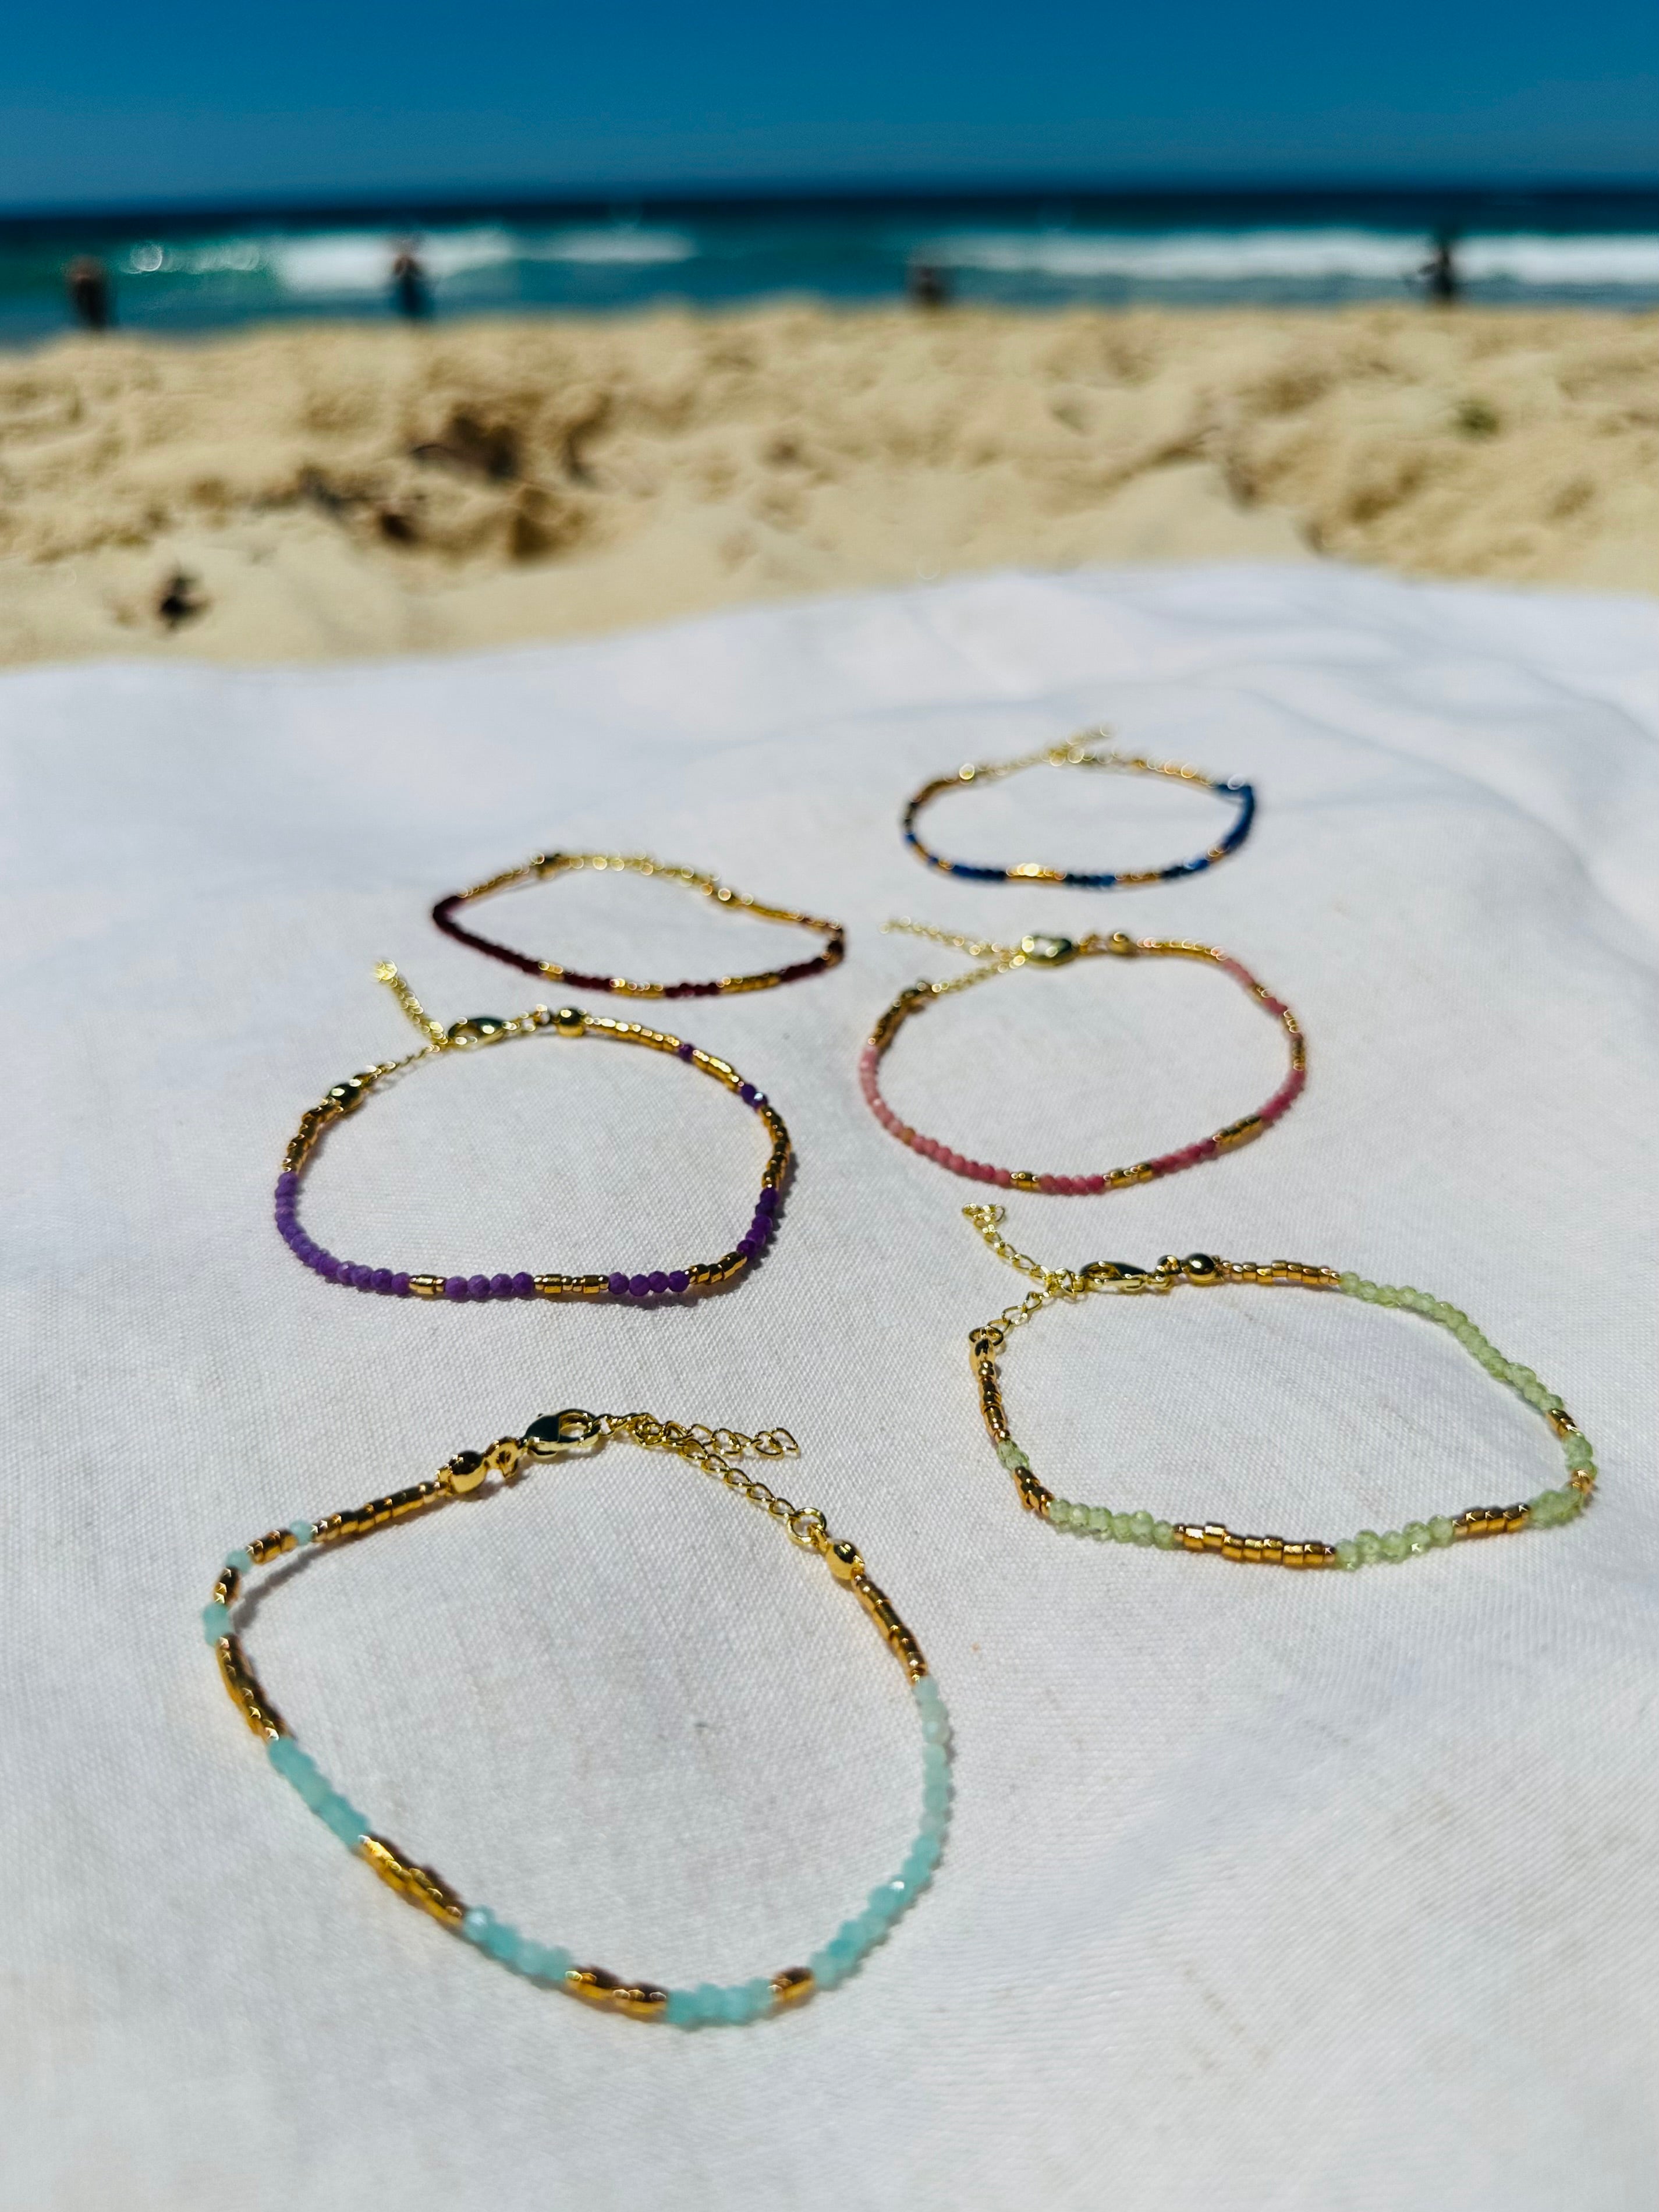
(106, 104)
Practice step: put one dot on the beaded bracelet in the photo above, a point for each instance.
(489, 1028)
(639, 863)
(1044, 952)
(1074, 753)
(549, 1966)
(1547, 1509)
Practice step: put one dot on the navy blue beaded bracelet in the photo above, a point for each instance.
(487, 1028)
(1074, 753)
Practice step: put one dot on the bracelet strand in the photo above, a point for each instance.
(1041, 953)
(1548, 1509)
(1076, 753)
(714, 1452)
(479, 1030)
(641, 864)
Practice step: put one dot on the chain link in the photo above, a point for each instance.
(711, 1451)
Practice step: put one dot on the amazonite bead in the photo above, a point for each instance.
(342, 1819)
(215, 1621)
(476, 1923)
(301, 1531)
(242, 1560)
(682, 2009)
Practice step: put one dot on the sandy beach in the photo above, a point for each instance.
(344, 490)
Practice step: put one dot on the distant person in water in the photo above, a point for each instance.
(926, 286)
(409, 295)
(1439, 272)
(87, 282)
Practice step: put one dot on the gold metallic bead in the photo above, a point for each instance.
(346, 1097)
(418, 1884)
(593, 1985)
(1189, 1535)
(1517, 1518)
(641, 2000)
(1252, 1550)
(984, 1343)
(1318, 1555)
(845, 1560)
(1025, 1179)
(1215, 1535)
(1583, 1480)
(243, 1685)
(570, 1021)
(1562, 1422)
(506, 1456)
(1032, 1495)
(464, 1474)
(1232, 1546)
(270, 1546)
(225, 1589)
(1201, 1267)
(1272, 1551)
(792, 1987)
(427, 1286)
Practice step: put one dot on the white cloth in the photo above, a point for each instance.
(1313, 1891)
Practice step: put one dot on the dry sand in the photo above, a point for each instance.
(297, 493)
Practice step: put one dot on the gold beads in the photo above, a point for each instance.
(418, 1884)
(464, 1474)
(792, 1987)
(845, 1561)
(570, 1021)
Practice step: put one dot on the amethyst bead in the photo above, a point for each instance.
(455, 1287)
(523, 1286)
(617, 1285)
(383, 1280)
(478, 1286)
(639, 1287)
(400, 1285)
(679, 1281)
(500, 1287)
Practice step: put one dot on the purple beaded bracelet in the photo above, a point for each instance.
(487, 1028)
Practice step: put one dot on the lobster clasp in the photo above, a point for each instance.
(555, 1432)
(1044, 952)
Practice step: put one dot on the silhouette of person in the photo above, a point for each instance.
(926, 286)
(88, 283)
(1439, 272)
(410, 294)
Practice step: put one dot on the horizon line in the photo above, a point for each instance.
(437, 202)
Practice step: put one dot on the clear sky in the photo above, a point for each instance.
(110, 103)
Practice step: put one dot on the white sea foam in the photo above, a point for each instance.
(344, 262)
(620, 242)
(1307, 256)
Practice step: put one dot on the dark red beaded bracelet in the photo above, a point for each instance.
(487, 1028)
(639, 863)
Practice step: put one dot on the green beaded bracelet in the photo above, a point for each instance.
(1547, 1509)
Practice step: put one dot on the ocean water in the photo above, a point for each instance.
(183, 271)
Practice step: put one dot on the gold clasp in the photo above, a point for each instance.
(554, 1432)
(476, 1029)
(1046, 951)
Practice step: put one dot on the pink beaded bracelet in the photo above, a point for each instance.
(1044, 951)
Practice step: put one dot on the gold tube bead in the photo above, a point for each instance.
(243, 1686)
(1238, 1133)
(1583, 1480)
(792, 1987)
(225, 1589)
(641, 2000)
(1215, 1535)
(1252, 1550)
(1232, 1546)
(418, 1884)
(427, 1286)
(1517, 1518)
(270, 1546)
(1292, 1555)
(554, 1286)
(1272, 1551)
(593, 1985)
(1315, 1554)
(1189, 1535)
(1032, 1495)
(1562, 1422)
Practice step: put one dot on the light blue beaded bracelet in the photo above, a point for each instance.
(1549, 1509)
(715, 1453)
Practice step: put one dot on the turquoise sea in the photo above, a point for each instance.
(187, 269)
